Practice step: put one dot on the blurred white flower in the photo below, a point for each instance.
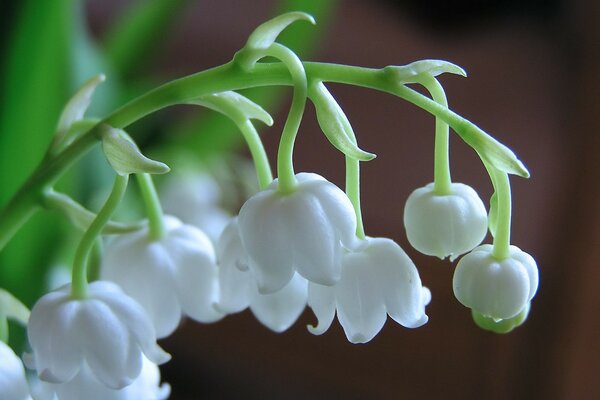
(499, 289)
(107, 330)
(377, 279)
(196, 199)
(300, 231)
(13, 385)
(181, 267)
(85, 386)
(445, 225)
(238, 287)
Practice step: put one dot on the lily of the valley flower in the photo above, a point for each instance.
(181, 266)
(195, 199)
(445, 225)
(13, 385)
(85, 386)
(498, 289)
(107, 330)
(300, 231)
(377, 279)
(238, 287)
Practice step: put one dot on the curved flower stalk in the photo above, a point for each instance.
(107, 330)
(301, 231)
(238, 287)
(496, 288)
(445, 225)
(13, 384)
(181, 266)
(377, 279)
(85, 386)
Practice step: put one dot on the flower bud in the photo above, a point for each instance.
(498, 289)
(445, 225)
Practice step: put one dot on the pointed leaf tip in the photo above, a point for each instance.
(266, 34)
(411, 73)
(125, 157)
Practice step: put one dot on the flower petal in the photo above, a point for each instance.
(399, 281)
(278, 311)
(360, 304)
(321, 299)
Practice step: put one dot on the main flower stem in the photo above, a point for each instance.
(501, 248)
(219, 79)
(156, 221)
(441, 172)
(79, 278)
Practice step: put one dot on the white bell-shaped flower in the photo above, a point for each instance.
(239, 290)
(196, 199)
(499, 289)
(181, 267)
(300, 231)
(13, 385)
(85, 386)
(445, 225)
(107, 330)
(377, 279)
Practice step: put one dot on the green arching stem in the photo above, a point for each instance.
(226, 77)
(82, 217)
(257, 151)
(79, 278)
(501, 183)
(156, 221)
(441, 172)
(4, 329)
(285, 163)
(95, 260)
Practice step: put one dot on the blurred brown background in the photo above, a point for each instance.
(533, 85)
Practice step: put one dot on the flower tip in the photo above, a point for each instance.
(158, 356)
(358, 338)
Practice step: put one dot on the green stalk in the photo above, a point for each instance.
(4, 334)
(501, 248)
(285, 163)
(441, 171)
(219, 79)
(156, 221)
(257, 151)
(79, 278)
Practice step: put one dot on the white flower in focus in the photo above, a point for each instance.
(196, 199)
(13, 385)
(499, 289)
(169, 276)
(300, 231)
(85, 386)
(445, 225)
(238, 287)
(107, 330)
(377, 279)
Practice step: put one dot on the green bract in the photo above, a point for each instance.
(335, 124)
(124, 155)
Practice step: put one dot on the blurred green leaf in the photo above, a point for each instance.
(139, 33)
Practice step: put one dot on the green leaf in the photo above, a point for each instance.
(235, 106)
(139, 32)
(335, 124)
(266, 34)
(125, 157)
(413, 72)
